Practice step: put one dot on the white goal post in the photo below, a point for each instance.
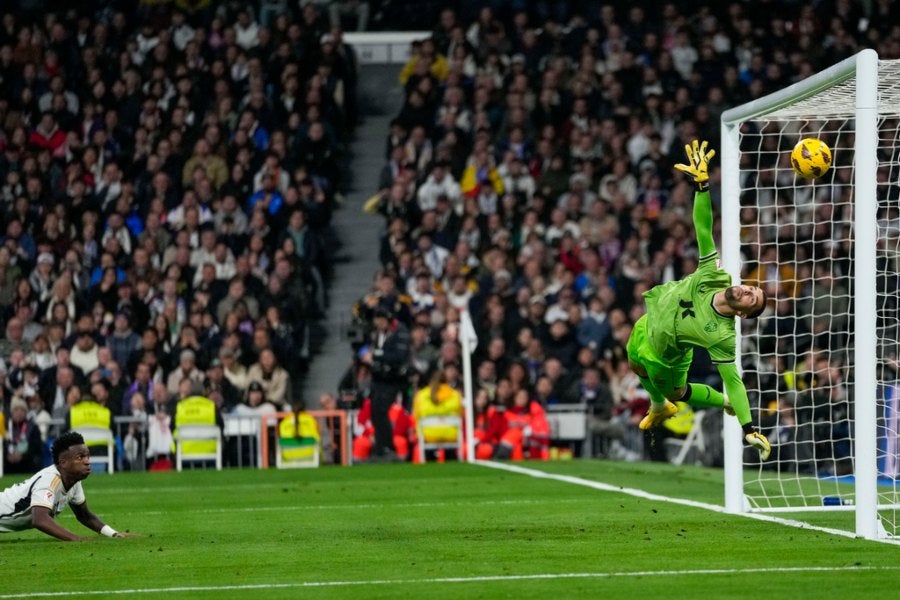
(821, 365)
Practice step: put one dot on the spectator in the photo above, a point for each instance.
(85, 352)
(186, 369)
(357, 9)
(219, 389)
(273, 378)
(389, 359)
(14, 339)
(440, 183)
(256, 402)
(23, 450)
(41, 355)
(123, 342)
(236, 295)
(134, 442)
(48, 135)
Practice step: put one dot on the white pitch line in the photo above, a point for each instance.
(432, 580)
(656, 497)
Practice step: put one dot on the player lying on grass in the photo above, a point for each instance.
(36, 501)
(698, 310)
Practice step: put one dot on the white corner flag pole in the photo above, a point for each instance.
(469, 341)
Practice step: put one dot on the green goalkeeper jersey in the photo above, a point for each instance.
(680, 315)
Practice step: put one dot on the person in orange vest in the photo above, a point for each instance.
(404, 431)
(490, 425)
(527, 429)
(364, 432)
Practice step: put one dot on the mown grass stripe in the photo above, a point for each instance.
(433, 580)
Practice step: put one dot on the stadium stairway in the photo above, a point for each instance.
(380, 99)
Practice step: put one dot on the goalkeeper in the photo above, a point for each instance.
(698, 310)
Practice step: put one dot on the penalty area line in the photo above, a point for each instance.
(638, 493)
(433, 580)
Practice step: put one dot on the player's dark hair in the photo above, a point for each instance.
(63, 443)
(762, 306)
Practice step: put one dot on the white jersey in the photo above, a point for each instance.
(44, 488)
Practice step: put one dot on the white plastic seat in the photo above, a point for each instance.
(91, 436)
(296, 457)
(694, 440)
(198, 433)
(439, 421)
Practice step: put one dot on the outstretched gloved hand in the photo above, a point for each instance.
(698, 163)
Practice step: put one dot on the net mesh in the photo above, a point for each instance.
(797, 243)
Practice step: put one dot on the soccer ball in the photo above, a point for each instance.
(811, 158)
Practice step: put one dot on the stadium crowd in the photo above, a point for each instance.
(529, 181)
(168, 172)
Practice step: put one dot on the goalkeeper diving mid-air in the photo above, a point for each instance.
(698, 310)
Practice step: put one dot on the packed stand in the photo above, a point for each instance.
(529, 181)
(167, 177)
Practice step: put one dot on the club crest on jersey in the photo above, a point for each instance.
(710, 327)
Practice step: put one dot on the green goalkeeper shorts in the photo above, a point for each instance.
(667, 378)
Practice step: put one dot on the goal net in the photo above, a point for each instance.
(822, 366)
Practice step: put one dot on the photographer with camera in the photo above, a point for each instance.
(389, 360)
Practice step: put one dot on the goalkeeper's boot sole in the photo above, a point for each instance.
(656, 417)
(759, 441)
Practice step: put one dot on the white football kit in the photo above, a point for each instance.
(44, 488)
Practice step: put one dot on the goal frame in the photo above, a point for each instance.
(864, 68)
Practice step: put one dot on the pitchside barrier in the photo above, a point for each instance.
(247, 439)
(384, 47)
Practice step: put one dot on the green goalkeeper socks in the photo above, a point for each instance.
(697, 395)
(701, 396)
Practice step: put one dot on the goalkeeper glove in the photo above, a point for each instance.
(759, 441)
(698, 163)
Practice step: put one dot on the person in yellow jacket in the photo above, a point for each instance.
(424, 54)
(298, 437)
(437, 399)
(194, 409)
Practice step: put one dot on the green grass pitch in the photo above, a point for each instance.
(437, 531)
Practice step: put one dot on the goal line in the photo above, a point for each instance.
(638, 493)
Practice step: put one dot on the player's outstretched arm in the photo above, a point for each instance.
(93, 522)
(737, 393)
(698, 169)
(43, 521)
